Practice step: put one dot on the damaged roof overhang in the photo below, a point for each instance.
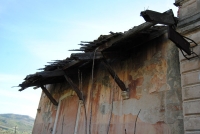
(106, 46)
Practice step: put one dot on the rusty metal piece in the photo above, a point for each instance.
(39, 110)
(49, 95)
(125, 95)
(119, 82)
(81, 102)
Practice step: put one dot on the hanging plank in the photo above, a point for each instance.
(47, 74)
(55, 73)
(75, 88)
(54, 80)
(87, 56)
(49, 95)
(179, 40)
(114, 76)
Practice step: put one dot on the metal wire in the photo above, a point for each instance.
(112, 95)
(191, 49)
(136, 121)
(91, 92)
(80, 78)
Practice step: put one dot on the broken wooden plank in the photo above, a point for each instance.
(114, 76)
(178, 39)
(73, 62)
(49, 95)
(126, 35)
(74, 87)
(49, 74)
(87, 56)
(98, 55)
(149, 38)
(77, 50)
(28, 83)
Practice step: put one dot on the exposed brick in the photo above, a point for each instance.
(191, 92)
(191, 107)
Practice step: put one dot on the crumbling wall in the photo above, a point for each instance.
(152, 76)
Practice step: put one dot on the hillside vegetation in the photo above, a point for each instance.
(23, 123)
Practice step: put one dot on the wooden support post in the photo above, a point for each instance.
(114, 76)
(49, 95)
(75, 88)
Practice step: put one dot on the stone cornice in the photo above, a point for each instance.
(179, 2)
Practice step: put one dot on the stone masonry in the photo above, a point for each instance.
(189, 26)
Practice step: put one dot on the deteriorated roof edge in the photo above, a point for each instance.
(57, 68)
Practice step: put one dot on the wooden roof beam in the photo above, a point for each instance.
(49, 95)
(74, 87)
(48, 74)
(87, 56)
(119, 82)
(126, 35)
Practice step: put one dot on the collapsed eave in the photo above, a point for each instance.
(109, 46)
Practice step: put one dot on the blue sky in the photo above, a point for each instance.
(33, 33)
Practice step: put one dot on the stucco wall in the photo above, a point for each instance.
(153, 78)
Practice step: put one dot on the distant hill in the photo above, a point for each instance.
(23, 123)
